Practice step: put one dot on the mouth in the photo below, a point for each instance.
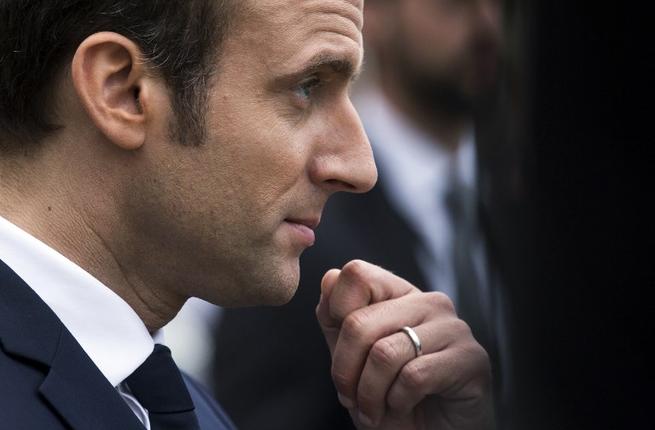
(303, 229)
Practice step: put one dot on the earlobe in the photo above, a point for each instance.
(111, 84)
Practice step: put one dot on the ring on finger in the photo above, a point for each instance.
(414, 338)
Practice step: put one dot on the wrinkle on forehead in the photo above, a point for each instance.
(350, 9)
(290, 26)
(287, 12)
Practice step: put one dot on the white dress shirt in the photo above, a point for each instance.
(104, 325)
(416, 173)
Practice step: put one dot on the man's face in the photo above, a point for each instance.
(449, 46)
(237, 212)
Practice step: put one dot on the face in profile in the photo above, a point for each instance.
(282, 136)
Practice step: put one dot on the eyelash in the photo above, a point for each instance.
(306, 88)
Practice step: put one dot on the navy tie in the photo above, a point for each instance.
(462, 205)
(158, 385)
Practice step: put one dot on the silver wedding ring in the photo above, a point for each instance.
(414, 338)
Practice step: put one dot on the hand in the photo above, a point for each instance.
(374, 366)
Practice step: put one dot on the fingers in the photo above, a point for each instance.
(356, 286)
(460, 374)
(360, 283)
(385, 360)
(362, 329)
(388, 357)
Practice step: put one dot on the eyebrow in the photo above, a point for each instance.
(338, 63)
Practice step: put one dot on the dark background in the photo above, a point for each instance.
(577, 119)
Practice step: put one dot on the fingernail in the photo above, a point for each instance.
(366, 420)
(345, 401)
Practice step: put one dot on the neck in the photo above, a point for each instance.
(72, 212)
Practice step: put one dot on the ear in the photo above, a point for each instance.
(110, 80)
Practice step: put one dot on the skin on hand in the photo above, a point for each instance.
(374, 366)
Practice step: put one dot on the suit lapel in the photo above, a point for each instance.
(73, 385)
(81, 394)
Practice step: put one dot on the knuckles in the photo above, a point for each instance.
(413, 376)
(386, 354)
(357, 272)
(412, 379)
(353, 289)
(342, 382)
(354, 326)
(440, 301)
(459, 330)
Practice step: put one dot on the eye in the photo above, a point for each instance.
(306, 88)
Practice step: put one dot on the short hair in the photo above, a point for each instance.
(179, 40)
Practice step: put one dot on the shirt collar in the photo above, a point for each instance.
(104, 325)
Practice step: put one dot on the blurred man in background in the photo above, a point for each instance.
(432, 64)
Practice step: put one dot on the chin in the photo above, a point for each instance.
(266, 275)
(282, 299)
(271, 294)
(280, 283)
(281, 289)
(264, 287)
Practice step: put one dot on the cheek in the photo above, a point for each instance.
(259, 168)
(273, 174)
(256, 151)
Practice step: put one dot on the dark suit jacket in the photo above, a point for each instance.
(272, 366)
(48, 382)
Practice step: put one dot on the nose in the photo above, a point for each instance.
(345, 159)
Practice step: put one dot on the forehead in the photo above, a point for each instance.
(286, 11)
(285, 32)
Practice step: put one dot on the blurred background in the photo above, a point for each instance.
(510, 137)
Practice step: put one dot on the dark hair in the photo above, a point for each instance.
(179, 40)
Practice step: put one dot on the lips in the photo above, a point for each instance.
(303, 229)
(310, 223)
